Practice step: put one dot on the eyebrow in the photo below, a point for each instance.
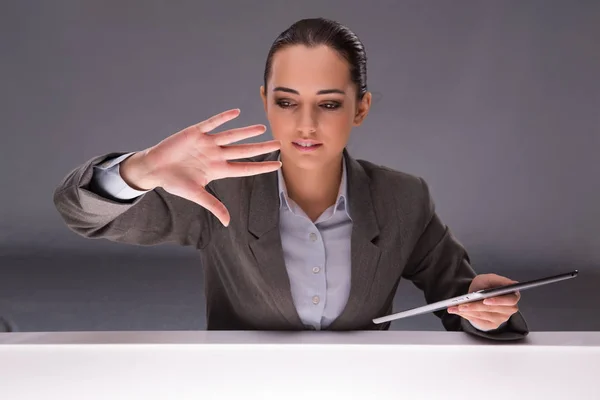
(324, 91)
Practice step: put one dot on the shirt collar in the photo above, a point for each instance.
(342, 198)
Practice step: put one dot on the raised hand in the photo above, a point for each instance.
(185, 162)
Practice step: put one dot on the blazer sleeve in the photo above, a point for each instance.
(155, 217)
(440, 266)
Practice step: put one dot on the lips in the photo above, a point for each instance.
(306, 145)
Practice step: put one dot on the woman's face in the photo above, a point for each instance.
(311, 100)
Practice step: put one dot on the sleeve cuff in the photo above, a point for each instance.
(109, 180)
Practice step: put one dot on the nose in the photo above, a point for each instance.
(307, 121)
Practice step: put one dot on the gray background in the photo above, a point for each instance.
(495, 103)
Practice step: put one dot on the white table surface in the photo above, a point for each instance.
(297, 365)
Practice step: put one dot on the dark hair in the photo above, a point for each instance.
(313, 32)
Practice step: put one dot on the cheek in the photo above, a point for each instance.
(281, 124)
(337, 123)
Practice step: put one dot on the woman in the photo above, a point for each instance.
(293, 233)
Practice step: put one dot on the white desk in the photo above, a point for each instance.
(302, 365)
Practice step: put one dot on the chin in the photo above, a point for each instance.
(308, 161)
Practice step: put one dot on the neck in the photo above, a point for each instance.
(313, 190)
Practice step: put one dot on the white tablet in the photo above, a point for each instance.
(477, 296)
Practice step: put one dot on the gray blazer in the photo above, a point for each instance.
(396, 234)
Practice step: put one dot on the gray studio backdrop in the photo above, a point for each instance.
(495, 103)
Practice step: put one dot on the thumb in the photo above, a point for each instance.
(493, 280)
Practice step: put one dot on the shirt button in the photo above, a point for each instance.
(316, 300)
(313, 236)
(316, 270)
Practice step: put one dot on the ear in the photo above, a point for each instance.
(362, 109)
(263, 96)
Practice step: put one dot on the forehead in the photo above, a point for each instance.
(303, 68)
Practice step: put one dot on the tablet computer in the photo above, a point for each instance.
(477, 296)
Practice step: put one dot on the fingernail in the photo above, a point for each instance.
(452, 310)
(488, 302)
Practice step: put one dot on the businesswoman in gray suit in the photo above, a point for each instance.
(292, 233)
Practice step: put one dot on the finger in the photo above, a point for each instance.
(505, 310)
(472, 304)
(494, 280)
(237, 134)
(196, 193)
(216, 120)
(237, 169)
(249, 149)
(504, 300)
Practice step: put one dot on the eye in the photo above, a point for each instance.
(331, 105)
(283, 103)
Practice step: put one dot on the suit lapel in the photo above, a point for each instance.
(364, 253)
(263, 224)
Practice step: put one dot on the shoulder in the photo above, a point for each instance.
(397, 194)
(390, 181)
